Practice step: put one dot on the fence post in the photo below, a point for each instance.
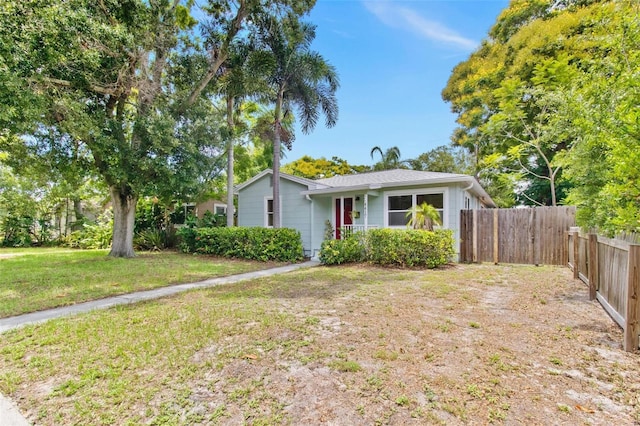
(632, 317)
(495, 237)
(474, 255)
(593, 266)
(576, 255)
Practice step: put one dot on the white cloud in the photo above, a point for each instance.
(406, 18)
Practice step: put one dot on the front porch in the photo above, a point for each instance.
(351, 214)
(346, 230)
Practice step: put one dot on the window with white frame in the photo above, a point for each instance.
(268, 212)
(400, 204)
(220, 209)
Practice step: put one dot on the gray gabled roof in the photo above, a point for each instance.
(310, 184)
(385, 177)
(396, 178)
(378, 180)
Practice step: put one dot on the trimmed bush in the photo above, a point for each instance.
(264, 244)
(410, 248)
(392, 247)
(347, 250)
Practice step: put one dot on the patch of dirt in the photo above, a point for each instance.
(465, 345)
(472, 344)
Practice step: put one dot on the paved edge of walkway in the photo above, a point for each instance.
(9, 412)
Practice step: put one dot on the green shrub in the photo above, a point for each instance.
(153, 239)
(392, 247)
(347, 250)
(16, 231)
(94, 235)
(262, 244)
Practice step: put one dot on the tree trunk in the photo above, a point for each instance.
(124, 214)
(276, 162)
(230, 125)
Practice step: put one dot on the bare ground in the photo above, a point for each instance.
(468, 344)
(506, 344)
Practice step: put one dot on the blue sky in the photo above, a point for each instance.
(393, 57)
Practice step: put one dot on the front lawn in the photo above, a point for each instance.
(36, 279)
(473, 344)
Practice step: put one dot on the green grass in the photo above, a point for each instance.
(37, 279)
(255, 352)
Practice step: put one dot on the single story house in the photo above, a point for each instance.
(356, 202)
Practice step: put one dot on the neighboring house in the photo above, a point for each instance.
(356, 202)
(198, 210)
(214, 206)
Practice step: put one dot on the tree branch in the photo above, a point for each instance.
(65, 83)
(219, 56)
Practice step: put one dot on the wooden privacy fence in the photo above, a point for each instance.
(527, 236)
(611, 269)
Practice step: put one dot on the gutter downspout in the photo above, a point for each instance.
(470, 186)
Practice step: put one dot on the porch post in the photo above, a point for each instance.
(365, 207)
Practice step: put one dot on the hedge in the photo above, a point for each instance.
(392, 247)
(264, 244)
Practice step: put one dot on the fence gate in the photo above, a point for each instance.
(527, 236)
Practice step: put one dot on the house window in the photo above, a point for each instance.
(220, 210)
(436, 200)
(268, 212)
(399, 205)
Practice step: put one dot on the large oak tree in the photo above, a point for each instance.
(127, 79)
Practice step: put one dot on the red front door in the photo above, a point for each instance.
(343, 214)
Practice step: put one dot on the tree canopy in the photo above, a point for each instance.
(126, 86)
(317, 168)
(545, 105)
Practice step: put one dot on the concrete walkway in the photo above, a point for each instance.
(9, 414)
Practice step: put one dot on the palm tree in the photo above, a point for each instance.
(423, 217)
(297, 77)
(233, 85)
(389, 159)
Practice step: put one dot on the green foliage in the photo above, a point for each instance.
(329, 232)
(410, 248)
(16, 231)
(504, 95)
(604, 162)
(347, 250)
(423, 217)
(211, 220)
(23, 215)
(389, 159)
(316, 168)
(263, 244)
(150, 214)
(549, 103)
(96, 235)
(392, 247)
(123, 90)
(154, 239)
(444, 159)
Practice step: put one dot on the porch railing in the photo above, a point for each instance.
(346, 230)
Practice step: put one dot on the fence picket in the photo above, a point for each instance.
(527, 236)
